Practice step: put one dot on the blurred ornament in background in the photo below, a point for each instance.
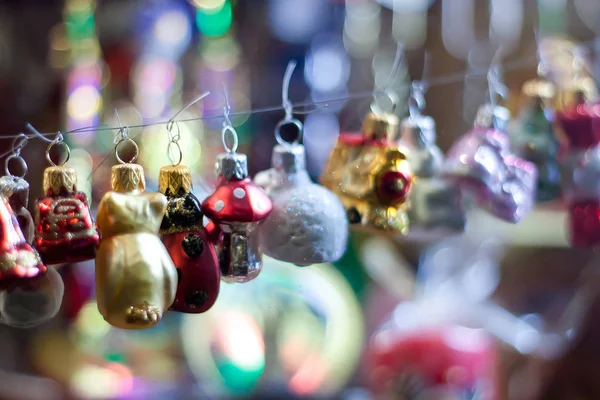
(580, 163)
(432, 362)
(16, 190)
(18, 260)
(183, 234)
(309, 319)
(482, 164)
(33, 301)
(533, 138)
(213, 18)
(434, 202)
(371, 175)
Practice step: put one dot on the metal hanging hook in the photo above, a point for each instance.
(172, 121)
(57, 141)
(173, 144)
(123, 133)
(289, 109)
(228, 126)
(416, 98)
(375, 108)
(121, 138)
(18, 144)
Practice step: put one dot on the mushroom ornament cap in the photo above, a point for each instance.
(237, 201)
(308, 225)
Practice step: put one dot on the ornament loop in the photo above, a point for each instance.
(392, 97)
(290, 121)
(20, 160)
(416, 100)
(172, 158)
(135, 155)
(66, 147)
(229, 129)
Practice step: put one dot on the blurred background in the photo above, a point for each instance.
(293, 333)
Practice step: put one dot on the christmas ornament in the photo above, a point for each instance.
(65, 231)
(308, 224)
(183, 234)
(481, 163)
(135, 277)
(237, 206)
(580, 162)
(31, 302)
(371, 175)
(434, 202)
(436, 362)
(532, 137)
(18, 260)
(16, 190)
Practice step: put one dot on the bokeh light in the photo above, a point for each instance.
(327, 65)
(320, 134)
(296, 21)
(216, 21)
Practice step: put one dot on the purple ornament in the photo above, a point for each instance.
(481, 162)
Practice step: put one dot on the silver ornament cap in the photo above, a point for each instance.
(489, 116)
(233, 166)
(289, 159)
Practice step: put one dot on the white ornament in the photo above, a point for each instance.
(308, 223)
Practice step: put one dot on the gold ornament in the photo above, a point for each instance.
(60, 179)
(370, 174)
(173, 179)
(135, 277)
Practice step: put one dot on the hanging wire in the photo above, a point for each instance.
(174, 138)
(449, 79)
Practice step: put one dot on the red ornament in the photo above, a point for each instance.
(580, 160)
(237, 206)
(65, 231)
(18, 260)
(183, 234)
(433, 362)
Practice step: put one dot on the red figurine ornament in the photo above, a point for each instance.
(65, 231)
(237, 206)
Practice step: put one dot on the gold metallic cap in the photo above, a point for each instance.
(175, 180)
(539, 88)
(379, 126)
(579, 91)
(59, 179)
(127, 178)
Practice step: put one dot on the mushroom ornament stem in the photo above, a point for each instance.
(237, 206)
(308, 223)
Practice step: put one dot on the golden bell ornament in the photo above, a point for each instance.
(135, 277)
(371, 175)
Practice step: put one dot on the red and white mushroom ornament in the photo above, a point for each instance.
(237, 206)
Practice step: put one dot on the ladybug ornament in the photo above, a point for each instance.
(186, 240)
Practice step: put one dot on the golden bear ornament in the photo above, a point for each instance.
(135, 277)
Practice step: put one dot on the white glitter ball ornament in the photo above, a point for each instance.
(308, 224)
